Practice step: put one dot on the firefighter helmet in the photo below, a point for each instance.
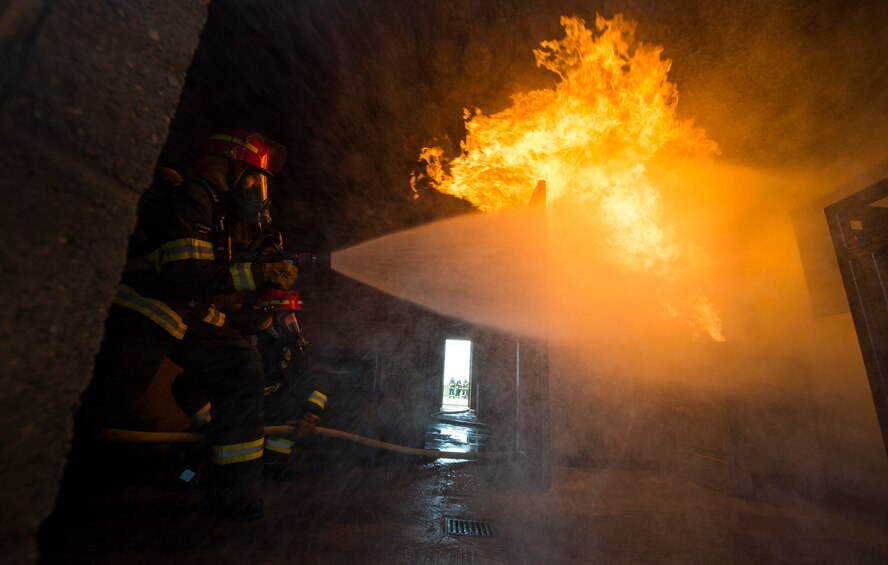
(280, 300)
(254, 149)
(284, 304)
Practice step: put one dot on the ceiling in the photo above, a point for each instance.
(356, 89)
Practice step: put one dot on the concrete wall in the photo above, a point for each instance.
(349, 323)
(87, 91)
(356, 328)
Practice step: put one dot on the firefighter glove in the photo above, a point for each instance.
(305, 426)
(281, 274)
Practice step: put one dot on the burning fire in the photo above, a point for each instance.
(593, 139)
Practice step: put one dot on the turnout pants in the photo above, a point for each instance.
(292, 391)
(228, 372)
(227, 369)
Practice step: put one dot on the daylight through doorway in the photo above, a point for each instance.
(457, 383)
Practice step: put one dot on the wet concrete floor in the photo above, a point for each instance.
(353, 505)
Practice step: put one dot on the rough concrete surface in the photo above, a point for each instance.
(88, 90)
(105, 78)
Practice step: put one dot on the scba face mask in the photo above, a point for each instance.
(253, 197)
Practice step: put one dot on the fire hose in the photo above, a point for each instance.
(133, 436)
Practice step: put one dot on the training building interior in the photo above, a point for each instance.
(587, 421)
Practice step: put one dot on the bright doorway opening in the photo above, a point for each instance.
(457, 385)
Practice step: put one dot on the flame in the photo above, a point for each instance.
(708, 320)
(593, 138)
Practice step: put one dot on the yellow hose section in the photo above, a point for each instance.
(113, 434)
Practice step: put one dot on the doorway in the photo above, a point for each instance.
(457, 376)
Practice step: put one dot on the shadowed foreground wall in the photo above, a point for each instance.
(87, 91)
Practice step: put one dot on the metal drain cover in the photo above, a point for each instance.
(474, 528)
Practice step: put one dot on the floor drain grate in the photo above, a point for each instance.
(475, 528)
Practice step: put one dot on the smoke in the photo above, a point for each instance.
(786, 84)
(793, 93)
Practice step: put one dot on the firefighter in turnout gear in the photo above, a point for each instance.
(178, 271)
(296, 391)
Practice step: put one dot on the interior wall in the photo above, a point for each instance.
(782, 407)
(87, 91)
(353, 328)
(356, 89)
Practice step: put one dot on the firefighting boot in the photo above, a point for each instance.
(234, 505)
(185, 465)
(230, 498)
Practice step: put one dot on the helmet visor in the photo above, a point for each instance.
(276, 156)
(255, 194)
(287, 323)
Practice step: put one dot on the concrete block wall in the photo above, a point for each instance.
(87, 92)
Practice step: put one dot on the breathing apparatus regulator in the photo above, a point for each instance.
(282, 305)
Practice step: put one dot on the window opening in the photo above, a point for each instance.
(457, 375)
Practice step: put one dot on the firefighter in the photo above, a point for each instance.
(164, 306)
(296, 390)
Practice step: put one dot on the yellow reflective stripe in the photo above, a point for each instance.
(215, 317)
(237, 452)
(184, 249)
(221, 137)
(154, 259)
(236, 141)
(154, 310)
(320, 395)
(242, 275)
(319, 398)
(279, 445)
(203, 415)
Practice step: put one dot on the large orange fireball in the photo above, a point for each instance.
(593, 139)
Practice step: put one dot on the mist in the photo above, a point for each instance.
(792, 93)
(664, 350)
(488, 269)
(792, 96)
